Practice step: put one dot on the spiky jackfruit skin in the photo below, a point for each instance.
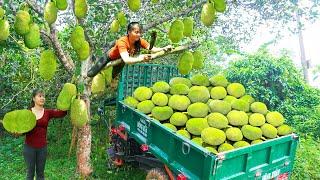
(184, 133)
(65, 96)
(251, 132)
(198, 60)
(62, 4)
(115, 26)
(218, 92)
(78, 113)
(80, 8)
(154, 1)
(4, 29)
(21, 24)
(77, 37)
(219, 5)
(197, 141)
(134, 5)
(2, 12)
(217, 120)
(170, 126)
(257, 119)
(162, 113)
(50, 12)
(248, 98)
(207, 14)
(161, 86)
(259, 107)
(236, 89)
(176, 31)
(178, 119)
(196, 125)
(185, 63)
(219, 80)
(179, 89)
(47, 64)
(122, 19)
(237, 118)
(256, 141)
(240, 144)
(229, 99)
(180, 80)
(98, 84)
(107, 74)
(220, 106)
(240, 105)
(142, 93)
(145, 106)
(32, 38)
(188, 26)
(275, 118)
(269, 131)
(200, 80)
(234, 134)
(198, 110)
(131, 101)
(179, 102)
(284, 129)
(19, 121)
(84, 51)
(198, 94)
(225, 147)
(213, 136)
(160, 99)
(212, 149)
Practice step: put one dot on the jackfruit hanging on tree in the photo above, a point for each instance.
(185, 63)
(98, 84)
(219, 5)
(84, 51)
(68, 91)
(47, 64)
(77, 37)
(2, 12)
(114, 27)
(122, 19)
(207, 14)
(50, 12)
(4, 29)
(198, 58)
(62, 4)
(176, 31)
(188, 26)
(80, 8)
(32, 38)
(79, 113)
(134, 5)
(22, 21)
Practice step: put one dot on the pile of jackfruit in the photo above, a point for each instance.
(211, 112)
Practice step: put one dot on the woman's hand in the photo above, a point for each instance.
(145, 57)
(167, 48)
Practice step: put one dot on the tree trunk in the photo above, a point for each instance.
(304, 62)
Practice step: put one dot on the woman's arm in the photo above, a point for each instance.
(132, 60)
(55, 113)
(156, 49)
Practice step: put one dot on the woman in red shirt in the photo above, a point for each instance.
(35, 147)
(125, 48)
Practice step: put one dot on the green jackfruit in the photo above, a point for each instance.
(217, 120)
(160, 99)
(98, 84)
(64, 99)
(248, 98)
(200, 80)
(32, 38)
(219, 80)
(4, 29)
(225, 147)
(220, 106)
(188, 26)
(179, 102)
(178, 119)
(176, 31)
(213, 136)
(142, 93)
(207, 14)
(251, 132)
(134, 5)
(257, 119)
(198, 60)
(218, 92)
(240, 105)
(179, 89)
(198, 110)
(170, 126)
(80, 8)
(256, 141)
(199, 94)
(21, 24)
(162, 113)
(161, 86)
(269, 131)
(284, 130)
(229, 99)
(131, 101)
(212, 149)
(47, 64)
(259, 107)
(115, 26)
(180, 80)
(2, 12)
(79, 113)
(19, 121)
(196, 125)
(50, 12)
(219, 5)
(154, 1)
(77, 37)
(236, 89)
(234, 134)
(107, 74)
(197, 141)
(275, 118)
(237, 118)
(184, 133)
(185, 63)
(122, 19)
(84, 51)
(240, 144)
(145, 106)
(62, 4)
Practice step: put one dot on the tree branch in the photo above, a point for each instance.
(36, 7)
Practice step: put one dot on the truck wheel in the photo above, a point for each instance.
(156, 174)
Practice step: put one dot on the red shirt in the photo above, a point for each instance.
(37, 137)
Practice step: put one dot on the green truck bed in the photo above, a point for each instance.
(270, 159)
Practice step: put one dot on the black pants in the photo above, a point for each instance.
(35, 159)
